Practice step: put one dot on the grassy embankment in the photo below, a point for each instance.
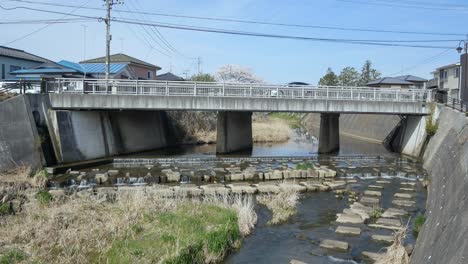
(275, 127)
(282, 205)
(127, 227)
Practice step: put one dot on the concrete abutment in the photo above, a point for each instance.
(234, 132)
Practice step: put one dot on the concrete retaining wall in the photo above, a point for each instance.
(20, 143)
(84, 135)
(444, 235)
(234, 132)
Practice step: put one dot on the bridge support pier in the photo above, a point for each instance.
(329, 137)
(234, 132)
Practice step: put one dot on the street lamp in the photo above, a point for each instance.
(460, 49)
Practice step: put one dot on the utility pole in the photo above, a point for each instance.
(84, 41)
(109, 4)
(199, 62)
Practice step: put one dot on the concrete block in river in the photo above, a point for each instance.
(372, 256)
(383, 182)
(373, 193)
(173, 176)
(113, 172)
(403, 203)
(370, 200)
(394, 213)
(389, 222)
(215, 189)
(276, 175)
(403, 195)
(408, 184)
(285, 187)
(354, 211)
(188, 190)
(350, 219)
(375, 187)
(407, 189)
(382, 238)
(315, 186)
(101, 178)
(237, 177)
(248, 176)
(348, 230)
(242, 189)
(335, 184)
(268, 188)
(334, 244)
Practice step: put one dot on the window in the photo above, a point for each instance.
(3, 71)
(14, 68)
(150, 75)
(444, 74)
(457, 73)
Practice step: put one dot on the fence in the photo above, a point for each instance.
(452, 103)
(254, 90)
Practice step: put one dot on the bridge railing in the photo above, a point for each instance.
(247, 90)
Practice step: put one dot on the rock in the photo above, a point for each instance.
(403, 195)
(349, 219)
(372, 256)
(347, 230)
(409, 249)
(389, 222)
(101, 178)
(376, 187)
(393, 213)
(237, 177)
(403, 203)
(373, 193)
(381, 238)
(369, 200)
(334, 244)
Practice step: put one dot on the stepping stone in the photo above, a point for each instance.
(351, 181)
(293, 261)
(188, 190)
(381, 238)
(373, 193)
(347, 230)
(363, 214)
(335, 184)
(383, 182)
(212, 189)
(268, 188)
(315, 186)
(403, 195)
(389, 222)
(334, 244)
(404, 203)
(411, 184)
(375, 187)
(285, 187)
(407, 189)
(241, 189)
(370, 200)
(372, 256)
(349, 219)
(394, 212)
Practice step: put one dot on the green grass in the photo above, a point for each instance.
(304, 166)
(376, 212)
(418, 224)
(44, 197)
(5, 209)
(189, 234)
(294, 120)
(12, 256)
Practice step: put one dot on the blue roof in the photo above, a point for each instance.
(93, 67)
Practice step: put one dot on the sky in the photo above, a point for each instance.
(274, 60)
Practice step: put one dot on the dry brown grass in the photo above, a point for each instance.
(83, 227)
(282, 205)
(207, 137)
(396, 253)
(273, 130)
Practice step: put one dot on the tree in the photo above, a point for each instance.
(203, 77)
(349, 76)
(368, 74)
(236, 74)
(329, 79)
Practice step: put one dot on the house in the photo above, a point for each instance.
(14, 59)
(399, 82)
(135, 68)
(447, 80)
(169, 77)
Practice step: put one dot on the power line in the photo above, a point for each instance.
(424, 3)
(423, 62)
(44, 27)
(259, 22)
(244, 33)
(419, 7)
(44, 21)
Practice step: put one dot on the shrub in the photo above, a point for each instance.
(431, 125)
(5, 209)
(44, 197)
(304, 166)
(12, 256)
(418, 224)
(376, 212)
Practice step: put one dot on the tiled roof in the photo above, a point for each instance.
(411, 78)
(169, 77)
(121, 58)
(389, 80)
(20, 54)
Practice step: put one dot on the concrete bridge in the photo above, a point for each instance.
(236, 102)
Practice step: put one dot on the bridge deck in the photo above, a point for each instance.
(158, 95)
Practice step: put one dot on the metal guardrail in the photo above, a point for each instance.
(452, 103)
(243, 90)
